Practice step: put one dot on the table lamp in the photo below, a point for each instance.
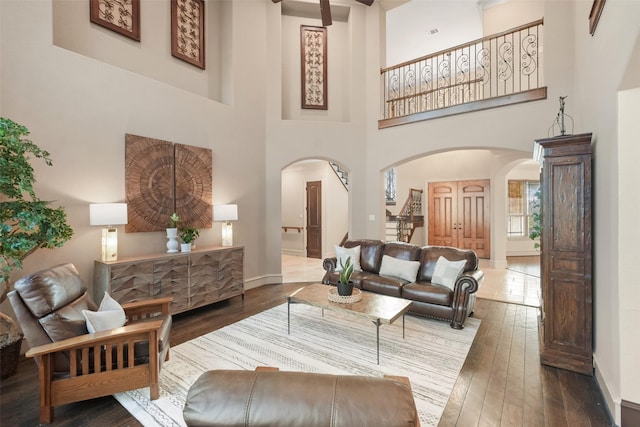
(226, 213)
(108, 214)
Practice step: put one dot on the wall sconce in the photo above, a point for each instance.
(226, 213)
(108, 214)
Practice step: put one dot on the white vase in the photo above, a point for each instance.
(172, 244)
(185, 247)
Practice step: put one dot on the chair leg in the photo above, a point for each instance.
(45, 376)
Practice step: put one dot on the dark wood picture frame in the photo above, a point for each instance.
(187, 31)
(594, 15)
(313, 67)
(121, 16)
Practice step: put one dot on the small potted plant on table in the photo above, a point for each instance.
(345, 286)
(188, 235)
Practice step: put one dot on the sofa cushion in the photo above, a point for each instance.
(429, 258)
(447, 272)
(45, 291)
(342, 254)
(385, 285)
(370, 253)
(401, 250)
(427, 292)
(394, 267)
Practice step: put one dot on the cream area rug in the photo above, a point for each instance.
(431, 355)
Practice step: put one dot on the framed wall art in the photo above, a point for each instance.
(121, 16)
(162, 178)
(187, 31)
(313, 59)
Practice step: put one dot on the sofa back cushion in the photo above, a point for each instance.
(370, 253)
(430, 255)
(404, 251)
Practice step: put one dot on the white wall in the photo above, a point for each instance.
(334, 206)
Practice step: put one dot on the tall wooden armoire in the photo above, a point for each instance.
(566, 330)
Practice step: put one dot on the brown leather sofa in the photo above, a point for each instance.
(429, 299)
(230, 398)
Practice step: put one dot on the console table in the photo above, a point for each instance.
(193, 279)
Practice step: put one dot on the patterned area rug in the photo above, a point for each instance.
(431, 355)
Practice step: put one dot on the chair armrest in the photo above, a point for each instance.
(145, 308)
(138, 331)
(329, 264)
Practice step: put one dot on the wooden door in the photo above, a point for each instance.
(459, 215)
(314, 219)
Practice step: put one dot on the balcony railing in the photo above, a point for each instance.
(505, 68)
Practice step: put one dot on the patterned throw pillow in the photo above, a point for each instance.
(447, 272)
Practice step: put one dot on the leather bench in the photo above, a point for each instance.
(227, 398)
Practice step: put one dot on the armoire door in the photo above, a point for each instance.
(459, 215)
(314, 219)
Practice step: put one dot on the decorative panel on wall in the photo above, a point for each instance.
(161, 178)
(187, 31)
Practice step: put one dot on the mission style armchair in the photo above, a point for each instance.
(75, 365)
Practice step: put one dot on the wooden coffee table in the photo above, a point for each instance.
(374, 307)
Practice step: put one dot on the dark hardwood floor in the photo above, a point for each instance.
(501, 383)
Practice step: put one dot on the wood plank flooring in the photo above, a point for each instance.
(501, 383)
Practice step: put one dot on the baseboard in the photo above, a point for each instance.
(293, 252)
(256, 282)
(630, 414)
(612, 404)
(498, 265)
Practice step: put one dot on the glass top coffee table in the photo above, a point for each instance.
(374, 307)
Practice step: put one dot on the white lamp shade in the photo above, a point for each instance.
(107, 213)
(225, 212)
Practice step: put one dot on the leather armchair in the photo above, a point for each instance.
(74, 365)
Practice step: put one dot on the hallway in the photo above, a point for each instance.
(519, 283)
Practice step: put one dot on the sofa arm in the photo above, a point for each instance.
(468, 283)
(330, 264)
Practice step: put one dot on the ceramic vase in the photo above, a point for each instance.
(172, 244)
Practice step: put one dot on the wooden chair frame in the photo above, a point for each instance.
(116, 370)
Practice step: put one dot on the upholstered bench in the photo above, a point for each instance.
(271, 398)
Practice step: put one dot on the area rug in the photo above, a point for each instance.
(431, 355)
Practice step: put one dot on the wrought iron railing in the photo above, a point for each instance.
(490, 67)
(410, 216)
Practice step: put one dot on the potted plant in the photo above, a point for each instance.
(188, 235)
(345, 287)
(535, 232)
(172, 233)
(28, 223)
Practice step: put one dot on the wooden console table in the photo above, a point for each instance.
(193, 279)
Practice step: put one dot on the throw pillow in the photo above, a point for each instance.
(447, 272)
(110, 315)
(343, 253)
(402, 269)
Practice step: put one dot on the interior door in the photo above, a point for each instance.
(314, 219)
(459, 215)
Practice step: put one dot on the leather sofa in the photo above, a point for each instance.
(429, 299)
(269, 398)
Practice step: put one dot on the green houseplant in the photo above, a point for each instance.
(535, 231)
(28, 223)
(345, 287)
(189, 234)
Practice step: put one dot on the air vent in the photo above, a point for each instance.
(433, 31)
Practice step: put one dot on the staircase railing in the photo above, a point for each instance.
(342, 174)
(491, 67)
(410, 216)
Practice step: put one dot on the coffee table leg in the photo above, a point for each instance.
(288, 315)
(378, 340)
(403, 326)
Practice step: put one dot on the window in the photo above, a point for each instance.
(522, 204)
(390, 186)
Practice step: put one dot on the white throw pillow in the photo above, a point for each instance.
(344, 253)
(447, 272)
(394, 267)
(110, 315)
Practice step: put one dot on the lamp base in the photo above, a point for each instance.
(227, 234)
(109, 244)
